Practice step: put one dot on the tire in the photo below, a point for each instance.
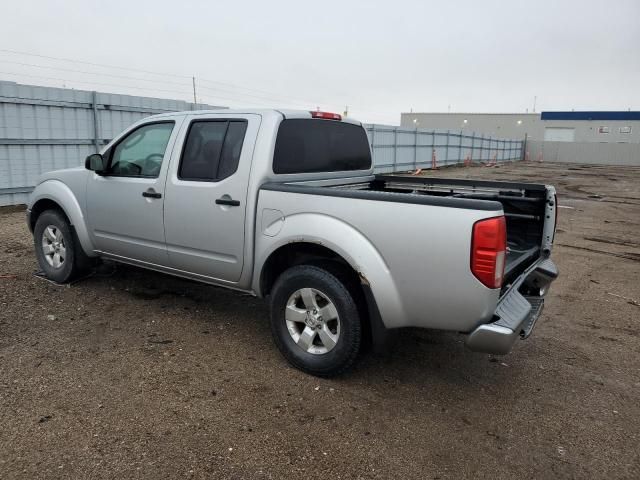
(54, 234)
(316, 343)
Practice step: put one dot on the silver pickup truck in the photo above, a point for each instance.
(285, 205)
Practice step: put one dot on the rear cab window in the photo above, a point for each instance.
(315, 145)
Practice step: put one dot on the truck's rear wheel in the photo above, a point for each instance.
(57, 249)
(315, 321)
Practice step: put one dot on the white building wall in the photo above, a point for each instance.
(517, 125)
(623, 154)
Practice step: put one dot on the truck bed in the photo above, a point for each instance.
(524, 205)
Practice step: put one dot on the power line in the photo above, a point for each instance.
(279, 98)
(243, 103)
(93, 83)
(300, 101)
(182, 93)
(133, 78)
(15, 52)
(188, 78)
(127, 77)
(256, 96)
(94, 73)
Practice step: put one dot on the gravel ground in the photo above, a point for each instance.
(132, 374)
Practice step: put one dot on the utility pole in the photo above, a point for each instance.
(195, 100)
(535, 100)
(346, 111)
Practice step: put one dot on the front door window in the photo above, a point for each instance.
(141, 152)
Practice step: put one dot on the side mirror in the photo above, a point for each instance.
(95, 162)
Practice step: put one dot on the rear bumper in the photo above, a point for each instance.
(516, 314)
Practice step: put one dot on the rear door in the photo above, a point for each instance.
(206, 195)
(125, 205)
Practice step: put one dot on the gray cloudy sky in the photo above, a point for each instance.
(380, 58)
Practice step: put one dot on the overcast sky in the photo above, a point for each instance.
(380, 58)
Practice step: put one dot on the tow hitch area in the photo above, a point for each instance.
(516, 314)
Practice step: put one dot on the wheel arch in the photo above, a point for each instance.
(339, 240)
(299, 253)
(40, 207)
(55, 195)
(309, 253)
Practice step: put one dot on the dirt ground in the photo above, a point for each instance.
(138, 375)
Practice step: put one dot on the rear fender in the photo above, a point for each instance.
(342, 239)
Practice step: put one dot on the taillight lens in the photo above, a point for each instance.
(555, 225)
(326, 115)
(489, 250)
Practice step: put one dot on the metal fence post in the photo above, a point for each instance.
(415, 150)
(395, 149)
(446, 150)
(96, 127)
(473, 141)
(373, 149)
(433, 144)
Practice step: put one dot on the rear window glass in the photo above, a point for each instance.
(304, 146)
(212, 150)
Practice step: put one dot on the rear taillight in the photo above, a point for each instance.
(326, 115)
(488, 251)
(555, 206)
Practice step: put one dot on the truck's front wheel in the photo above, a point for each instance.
(315, 321)
(59, 255)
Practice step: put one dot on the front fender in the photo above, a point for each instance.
(344, 240)
(59, 193)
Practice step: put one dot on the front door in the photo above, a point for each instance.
(206, 195)
(125, 205)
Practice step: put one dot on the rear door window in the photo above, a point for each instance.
(212, 150)
(305, 146)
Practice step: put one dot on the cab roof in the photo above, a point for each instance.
(286, 113)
